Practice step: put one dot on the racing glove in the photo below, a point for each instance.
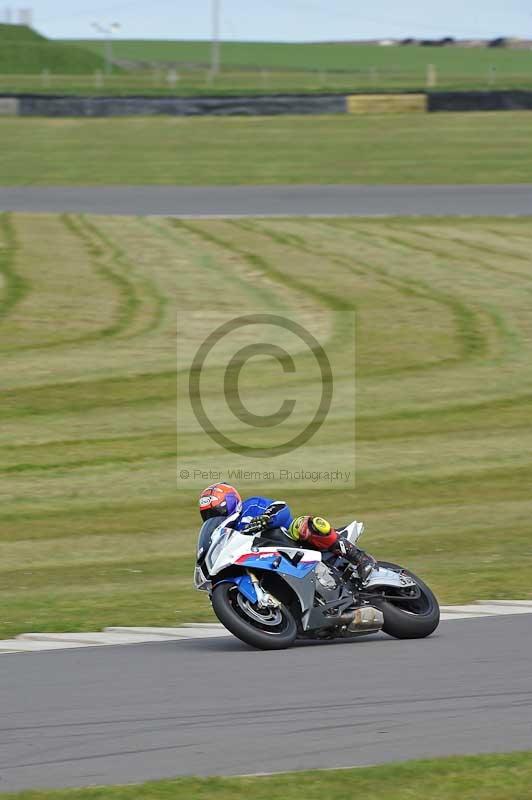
(258, 524)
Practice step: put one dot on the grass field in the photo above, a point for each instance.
(390, 148)
(363, 65)
(490, 777)
(255, 68)
(92, 530)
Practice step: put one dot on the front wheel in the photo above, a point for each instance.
(271, 628)
(415, 619)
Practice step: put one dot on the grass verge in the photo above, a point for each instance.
(489, 777)
(371, 149)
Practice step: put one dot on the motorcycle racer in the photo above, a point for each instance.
(223, 500)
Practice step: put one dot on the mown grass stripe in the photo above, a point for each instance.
(15, 286)
(100, 256)
(88, 462)
(326, 299)
(150, 289)
(75, 397)
(471, 341)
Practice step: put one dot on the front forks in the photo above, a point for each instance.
(264, 599)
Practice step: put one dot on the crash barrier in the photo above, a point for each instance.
(39, 105)
(9, 106)
(511, 100)
(263, 105)
(382, 103)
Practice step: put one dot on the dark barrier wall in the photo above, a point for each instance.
(61, 106)
(39, 105)
(479, 101)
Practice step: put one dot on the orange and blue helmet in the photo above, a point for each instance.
(219, 500)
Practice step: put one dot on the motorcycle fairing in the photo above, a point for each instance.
(230, 547)
(383, 576)
(268, 561)
(245, 586)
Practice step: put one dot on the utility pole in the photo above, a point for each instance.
(107, 31)
(215, 42)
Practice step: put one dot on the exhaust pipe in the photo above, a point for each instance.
(366, 619)
(360, 620)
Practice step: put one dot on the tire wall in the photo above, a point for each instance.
(180, 106)
(264, 105)
(480, 101)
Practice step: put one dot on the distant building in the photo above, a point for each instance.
(505, 41)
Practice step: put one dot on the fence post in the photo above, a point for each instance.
(98, 78)
(45, 78)
(432, 76)
(492, 74)
(171, 77)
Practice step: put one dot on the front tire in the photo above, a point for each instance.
(243, 620)
(410, 621)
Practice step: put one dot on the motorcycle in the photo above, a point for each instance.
(268, 592)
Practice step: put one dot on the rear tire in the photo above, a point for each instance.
(226, 608)
(418, 622)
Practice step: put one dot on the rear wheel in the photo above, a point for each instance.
(410, 619)
(271, 628)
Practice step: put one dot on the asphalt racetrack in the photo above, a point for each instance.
(351, 200)
(214, 706)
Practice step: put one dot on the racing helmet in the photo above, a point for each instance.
(219, 500)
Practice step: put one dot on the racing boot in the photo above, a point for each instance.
(364, 563)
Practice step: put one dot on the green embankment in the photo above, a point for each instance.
(490, 777)
(393, 148)
(92, 531)
(24, 51)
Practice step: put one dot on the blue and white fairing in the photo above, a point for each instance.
(221, 547)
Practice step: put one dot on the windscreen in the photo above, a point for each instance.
(205, 537)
